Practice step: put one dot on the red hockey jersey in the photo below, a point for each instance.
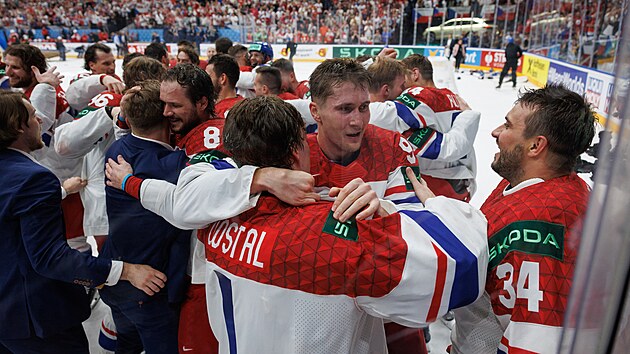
(381, 155)
(533, 231)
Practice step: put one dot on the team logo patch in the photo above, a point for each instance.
(408, 101)
(421, 136)
(85, 111)
(416, 171)
(207, 157)
(346, 230)
(530, 236)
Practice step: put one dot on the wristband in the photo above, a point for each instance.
(124, 181)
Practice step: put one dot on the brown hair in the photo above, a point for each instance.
(334, 72)
(384, 71)
(142, 68)
(264, 131)
(142, 106)
(420, 62)
(13, 114)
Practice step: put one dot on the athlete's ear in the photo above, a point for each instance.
(384, 91)
(537, 146)
(202, 104)
(315, 112)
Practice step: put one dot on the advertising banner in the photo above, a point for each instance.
(599, 90)
(70, 46)
(305, 52)
(495, 59)
(355, 51)
(139, 47)
(433, 51)
(536, 69)
(572, 78)
(473, 57)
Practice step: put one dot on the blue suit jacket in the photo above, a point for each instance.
(41, 277)
(137, 235)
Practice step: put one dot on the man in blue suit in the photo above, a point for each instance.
(42, 281)
(141, 236)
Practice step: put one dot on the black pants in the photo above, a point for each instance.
(458, 61)
(506, 67)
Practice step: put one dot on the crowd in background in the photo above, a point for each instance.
(577, 31)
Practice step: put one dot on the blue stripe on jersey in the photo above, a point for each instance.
(106, 343)
(228, 310)
(433, 150)
(407, 116)
(465, 285)
(499, 351)
(221, 164)
(413, 199)
(454, 116)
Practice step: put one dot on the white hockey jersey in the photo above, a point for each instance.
(432, 120)
(282, 279)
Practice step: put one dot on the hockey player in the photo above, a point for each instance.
(289, 81)
(260, 53)
(224, 72)
(388, 79)
(91, 134)
(452, 176)
(441, 139)
(100, 62)
(327, 285)
(268, 81)
(534, 227)
(241, 55)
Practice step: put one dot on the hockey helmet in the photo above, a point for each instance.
(262, 47)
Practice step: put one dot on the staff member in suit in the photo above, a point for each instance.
(42, 296)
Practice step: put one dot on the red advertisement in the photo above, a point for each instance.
(495, 59)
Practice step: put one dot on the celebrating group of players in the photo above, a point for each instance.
(302, 220)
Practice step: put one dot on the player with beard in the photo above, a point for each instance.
(224, 72)
(534, 226)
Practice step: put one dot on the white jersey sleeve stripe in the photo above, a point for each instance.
(465, 288)
(413, 120)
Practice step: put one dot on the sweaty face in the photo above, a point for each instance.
(105, 63)
(510, 139)
(19, 76)
(342, 119)
(256, 58)
(183, 115)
